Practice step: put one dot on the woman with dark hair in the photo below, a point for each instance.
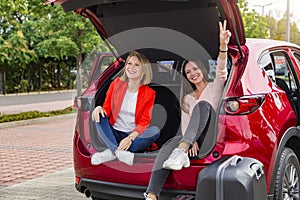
(198, 98)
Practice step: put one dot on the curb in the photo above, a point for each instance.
(36, 121)
(35, 93)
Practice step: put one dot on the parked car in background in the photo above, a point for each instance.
(258, 115)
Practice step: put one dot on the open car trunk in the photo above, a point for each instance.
(165, 31)
(162, 29)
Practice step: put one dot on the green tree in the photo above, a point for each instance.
(272, 26)
(278, 29)
(15, 53)
(41, 43)
(295, 34)
(254, 24)
(65, 39)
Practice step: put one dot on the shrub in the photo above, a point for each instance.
(24, 84)
(33, 115)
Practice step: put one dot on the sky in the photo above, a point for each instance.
(277, 8)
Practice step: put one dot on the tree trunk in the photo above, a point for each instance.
(4, 81)
(70, 78)
(58, 75)
(52, 76)
(79, 74)
(40, 76)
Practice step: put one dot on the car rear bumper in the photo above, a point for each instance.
(108, 190)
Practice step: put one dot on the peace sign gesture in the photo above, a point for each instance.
(224, 34)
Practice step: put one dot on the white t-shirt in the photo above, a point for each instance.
(126, 119)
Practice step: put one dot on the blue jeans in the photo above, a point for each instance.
(112, 137)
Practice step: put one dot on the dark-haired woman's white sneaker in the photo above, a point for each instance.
(177, 160)
(147, 197)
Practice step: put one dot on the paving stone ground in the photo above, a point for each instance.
(36, 160)
(57, 185)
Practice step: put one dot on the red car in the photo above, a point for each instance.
(258, 115)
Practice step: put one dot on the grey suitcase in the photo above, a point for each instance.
(232, 178)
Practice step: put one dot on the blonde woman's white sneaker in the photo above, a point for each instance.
(102, 157)
(125, 157)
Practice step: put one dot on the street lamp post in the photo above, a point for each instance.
(287, 35)
(263, 7)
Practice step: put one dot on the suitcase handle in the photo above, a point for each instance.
(258, 169)
(235, 160)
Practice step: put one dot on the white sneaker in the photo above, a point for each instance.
(125, 156)
(147, 197)
(177, 160)
(102, 157)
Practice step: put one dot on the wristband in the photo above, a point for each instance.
(131, 138)
(223, 51)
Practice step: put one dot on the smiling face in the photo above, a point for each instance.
(193, 73)
(133, 68)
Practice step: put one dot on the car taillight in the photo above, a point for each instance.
(77, 180)
(83, 103)
(242, 105)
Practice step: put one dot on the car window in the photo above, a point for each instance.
(265, 62)
(86, 71)
(297, 56)
(283, 69)
(212, 64)
(104, 63)
(163, 71)
(93, 65)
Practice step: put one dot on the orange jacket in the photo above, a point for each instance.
(144, 105)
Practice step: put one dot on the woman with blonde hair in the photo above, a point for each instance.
(123, 121)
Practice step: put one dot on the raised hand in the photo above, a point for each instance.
(224, 34)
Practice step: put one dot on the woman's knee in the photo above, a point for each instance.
(203, 111)
(151, 132)
(154, 129)
(204, 105)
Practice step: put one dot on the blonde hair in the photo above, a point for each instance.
(146, 68)
(187, 87)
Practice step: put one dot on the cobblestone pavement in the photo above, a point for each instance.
(36, 160)
(58, 185)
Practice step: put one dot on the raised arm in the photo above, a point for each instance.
(224, 40)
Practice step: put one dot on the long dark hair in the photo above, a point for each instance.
(186, 86)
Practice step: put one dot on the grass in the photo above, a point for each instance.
(34, 114)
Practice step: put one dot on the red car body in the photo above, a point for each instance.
(257, 117)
